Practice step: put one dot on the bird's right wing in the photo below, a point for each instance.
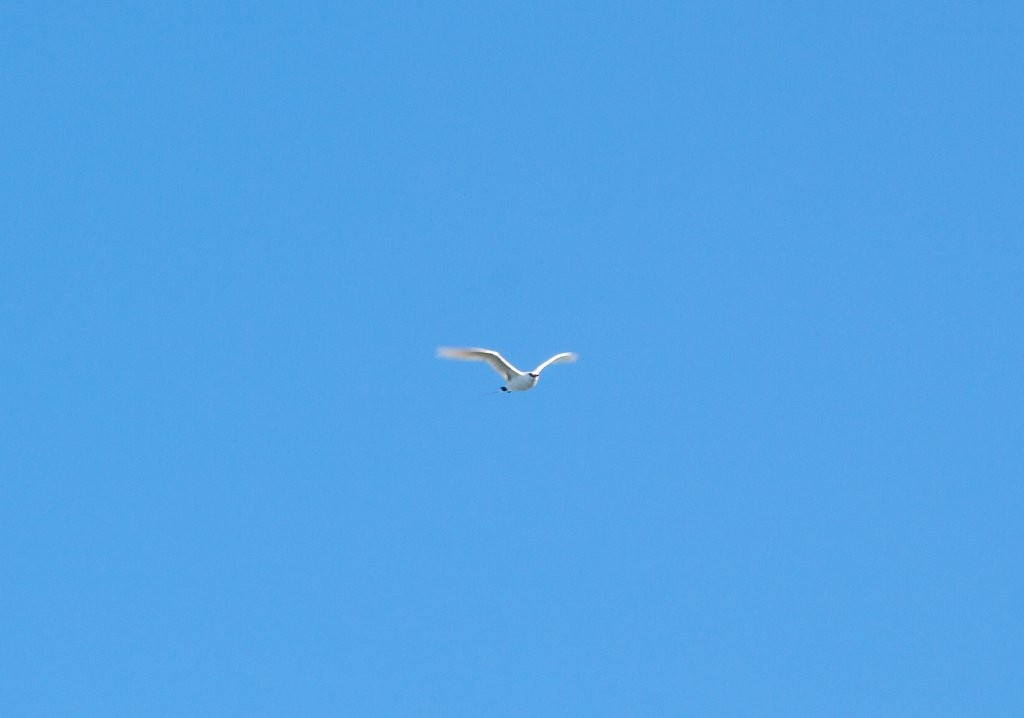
(496, 360)
(556, 359)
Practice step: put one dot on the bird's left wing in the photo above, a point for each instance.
(499, 363)
(557, 359)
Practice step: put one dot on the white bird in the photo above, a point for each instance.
(517, 380)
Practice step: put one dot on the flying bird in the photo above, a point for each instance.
(515, 379)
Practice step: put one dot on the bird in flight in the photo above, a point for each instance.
(515, 379)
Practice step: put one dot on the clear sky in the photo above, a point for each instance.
(784, 478)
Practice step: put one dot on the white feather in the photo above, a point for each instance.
(517, 380)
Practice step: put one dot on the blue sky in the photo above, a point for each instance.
(784, 478)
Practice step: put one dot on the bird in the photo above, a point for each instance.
(515, 379)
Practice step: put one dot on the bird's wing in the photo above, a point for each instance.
(496, 360)
(556, 359)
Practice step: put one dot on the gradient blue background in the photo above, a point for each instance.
(784, 478)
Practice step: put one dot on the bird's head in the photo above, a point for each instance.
(534, 375)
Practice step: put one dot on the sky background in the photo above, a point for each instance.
(784, 478)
